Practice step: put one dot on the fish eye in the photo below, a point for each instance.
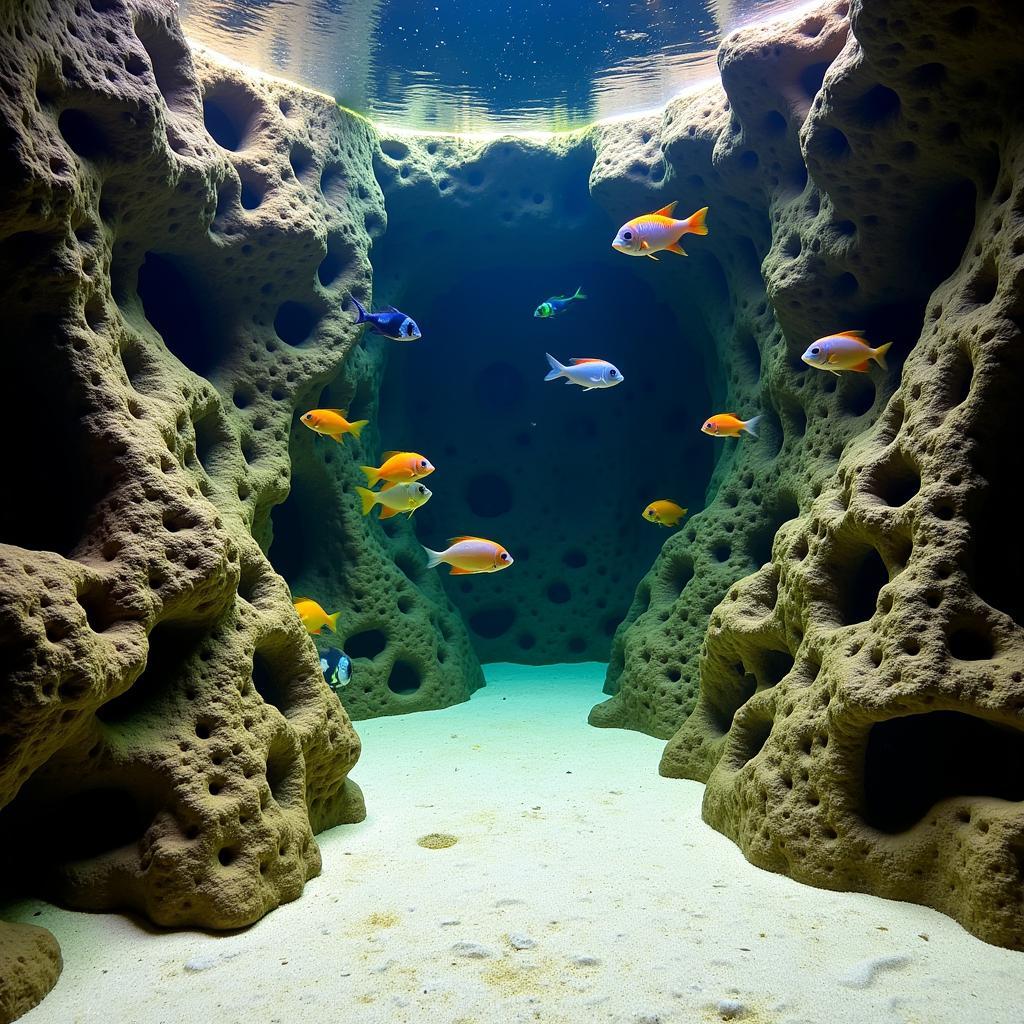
(613, 373)
(423, 489)
(815, 351)
(504, 556)
(627, 235)
(423, 463)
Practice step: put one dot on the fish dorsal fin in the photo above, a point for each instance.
(391, 309)
(856, 335)
(665, 211)
(389, 455)
(297, 600)
(456, 540)
(340, 412)
(579, 360)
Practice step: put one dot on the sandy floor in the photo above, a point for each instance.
(582, 888)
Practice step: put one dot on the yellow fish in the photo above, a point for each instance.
(665, 512)
(313, 617)
(332, 423)
(398, 466)
(403, 497)
(659, 231)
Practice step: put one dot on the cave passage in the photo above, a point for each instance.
(558, 475)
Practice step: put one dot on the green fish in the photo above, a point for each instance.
(559, 304)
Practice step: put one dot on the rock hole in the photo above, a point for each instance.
(367, 644)
(908, 768)
(862, 576)
(294, 323)
(404, 678)
(228, 113)
(83, 134)
(971, 642)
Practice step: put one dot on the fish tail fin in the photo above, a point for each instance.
(357, 428)
(332, 622)
(433, 557)
(372, 476)
(361, 315)
(557, 369)
(368, 499)
(750, 426)
(579, 293)
(879, 354)
(698, 222)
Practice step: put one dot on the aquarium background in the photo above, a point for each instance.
(446, 65)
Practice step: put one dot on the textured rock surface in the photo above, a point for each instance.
(498, 227)
(859, 717)
(173, 238)
(29, 967)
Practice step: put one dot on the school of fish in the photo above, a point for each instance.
(400, 472)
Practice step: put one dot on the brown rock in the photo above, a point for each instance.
(30, 965)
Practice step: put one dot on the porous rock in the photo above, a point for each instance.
(855, 700)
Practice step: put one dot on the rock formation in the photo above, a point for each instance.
(855, 704)
(177, 240)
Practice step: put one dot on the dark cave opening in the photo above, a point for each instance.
(914, 762)
(863, 574)
(178, 307)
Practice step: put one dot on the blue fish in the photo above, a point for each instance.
(336, 667)
(559, 304)
(391, 323)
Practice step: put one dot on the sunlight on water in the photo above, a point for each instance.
(445, 65)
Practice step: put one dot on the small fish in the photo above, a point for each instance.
(332, 423)
(559, 304)
(665, 512)
(845, 351)
(728, 424)
(588, 373)
(404, 497)
(336, 667)
(391, 323)
(469, 555)
(398, 466)
(658, 231)
(313, 617)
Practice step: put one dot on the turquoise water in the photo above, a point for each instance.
(443, 65)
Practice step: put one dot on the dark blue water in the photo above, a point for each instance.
(450, 65)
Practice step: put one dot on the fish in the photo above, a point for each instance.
(558, 304)
(391, 323)
(313, 617)
(468, 555)
(659, 231)
(588, 373)
(336, 667)
(332, 423)
(845, 351)
(396, 467)
(403, 497)
(728, 424)
(665, 512)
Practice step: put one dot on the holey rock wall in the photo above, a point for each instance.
(174, 242)
(856, 703)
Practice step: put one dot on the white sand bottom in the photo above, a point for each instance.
(629, 908)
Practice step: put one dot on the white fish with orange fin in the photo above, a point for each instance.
(470, 555)
(845, 351)
(588, 373)
(659, 232)
(395, 499)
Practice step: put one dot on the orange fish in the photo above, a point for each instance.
(659, 231)
(728, 424)
(470, 554)
(332, 423)
(844, 351)
(398, 466)
(665, 512)
(314, 618)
